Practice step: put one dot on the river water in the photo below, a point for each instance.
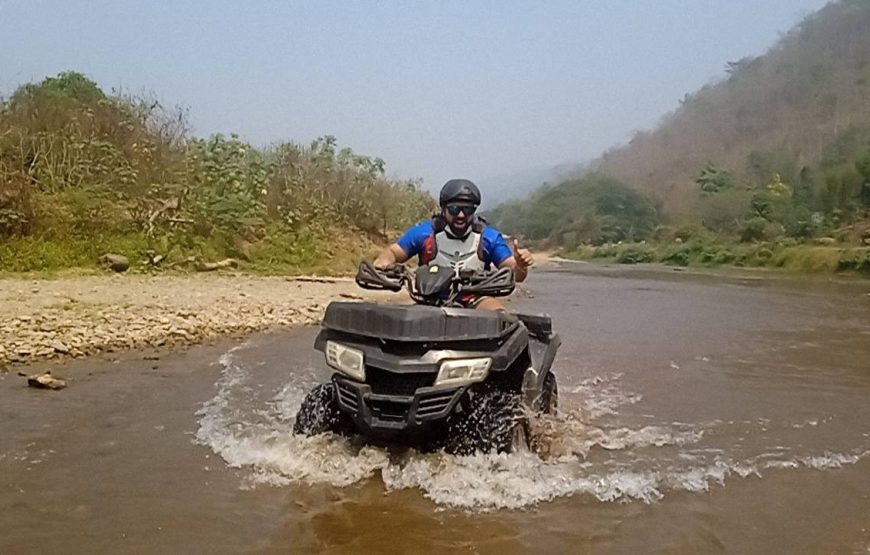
(698, 413)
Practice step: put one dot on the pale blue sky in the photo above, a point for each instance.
(437, 89)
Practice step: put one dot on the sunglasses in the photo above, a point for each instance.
(455, 209)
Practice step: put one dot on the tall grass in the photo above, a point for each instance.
(83, 172)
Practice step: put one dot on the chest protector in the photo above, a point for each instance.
(465, 253)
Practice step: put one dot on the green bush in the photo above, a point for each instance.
(687, 232)
(757, 256)
(595, 209)
(716, 255)
(636, 254)
(606, 251)
(32, 254)
(753, 229)
(855, 260)
(677, 256)
(78, 165)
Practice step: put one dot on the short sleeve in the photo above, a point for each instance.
(495, 247)
(414, 240)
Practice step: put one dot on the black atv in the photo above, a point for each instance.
(432, 375)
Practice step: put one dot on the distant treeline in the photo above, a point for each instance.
(778, 151)
(82, 171)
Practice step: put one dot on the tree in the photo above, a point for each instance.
(714, 179)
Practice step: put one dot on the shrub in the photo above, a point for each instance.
(77, 164)
(687, 232)
(753, 230)
(756, 256)
(636, 254)
(855, 260)
(676, 257)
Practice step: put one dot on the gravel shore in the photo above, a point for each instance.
(79, 316)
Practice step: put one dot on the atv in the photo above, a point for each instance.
(433, 375)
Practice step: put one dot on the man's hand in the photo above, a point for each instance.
(383, 262)
(391, 255)
(523, 257)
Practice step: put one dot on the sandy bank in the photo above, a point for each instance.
(74, 317)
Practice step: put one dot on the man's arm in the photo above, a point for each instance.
(410, 244)
(394, 254)
(520, 261)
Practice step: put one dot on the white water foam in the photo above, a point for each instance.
(263, 440)
(642, 464)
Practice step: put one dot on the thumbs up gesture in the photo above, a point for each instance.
(523, 256)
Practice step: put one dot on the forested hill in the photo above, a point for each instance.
(803, 103)
(777, 151)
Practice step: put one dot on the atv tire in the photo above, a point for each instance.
(319, 413)
(493, 421)
(549, 394)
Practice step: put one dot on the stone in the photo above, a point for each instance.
(59, 347)
(115, 262)
(45, 381)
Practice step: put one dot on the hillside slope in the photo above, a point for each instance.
(804, 103)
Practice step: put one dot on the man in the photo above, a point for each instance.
(456, 237)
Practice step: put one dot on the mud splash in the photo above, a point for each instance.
(585, 450)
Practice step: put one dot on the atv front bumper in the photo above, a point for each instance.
(379, 414)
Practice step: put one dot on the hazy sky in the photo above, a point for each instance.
(437, 89)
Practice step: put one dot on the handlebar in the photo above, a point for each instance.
(436, 285)
(391, 279)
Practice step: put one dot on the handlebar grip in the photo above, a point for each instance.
(369, 277)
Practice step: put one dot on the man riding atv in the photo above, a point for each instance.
(457, 236)
(435, 375)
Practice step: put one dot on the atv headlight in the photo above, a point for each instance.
(346, 360)
(463, 371)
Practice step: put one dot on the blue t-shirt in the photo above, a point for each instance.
(495, 248)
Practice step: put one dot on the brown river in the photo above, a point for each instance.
(698, 413)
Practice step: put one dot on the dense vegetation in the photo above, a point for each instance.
(83, 173)
(592, 210)
(773, 156)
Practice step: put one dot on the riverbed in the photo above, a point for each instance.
(697, 413)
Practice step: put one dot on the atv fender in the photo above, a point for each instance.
(542, 353)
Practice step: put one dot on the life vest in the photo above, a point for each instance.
(464, 253)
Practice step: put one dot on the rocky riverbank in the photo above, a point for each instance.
(79, 316)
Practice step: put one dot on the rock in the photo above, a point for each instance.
(115, 262)
(45, 381)
(154, 259)
(242, 249)
(351, 296)
(825, 241)
(211, 266)
(60, 348)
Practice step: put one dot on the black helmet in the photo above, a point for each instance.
(459, 190)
